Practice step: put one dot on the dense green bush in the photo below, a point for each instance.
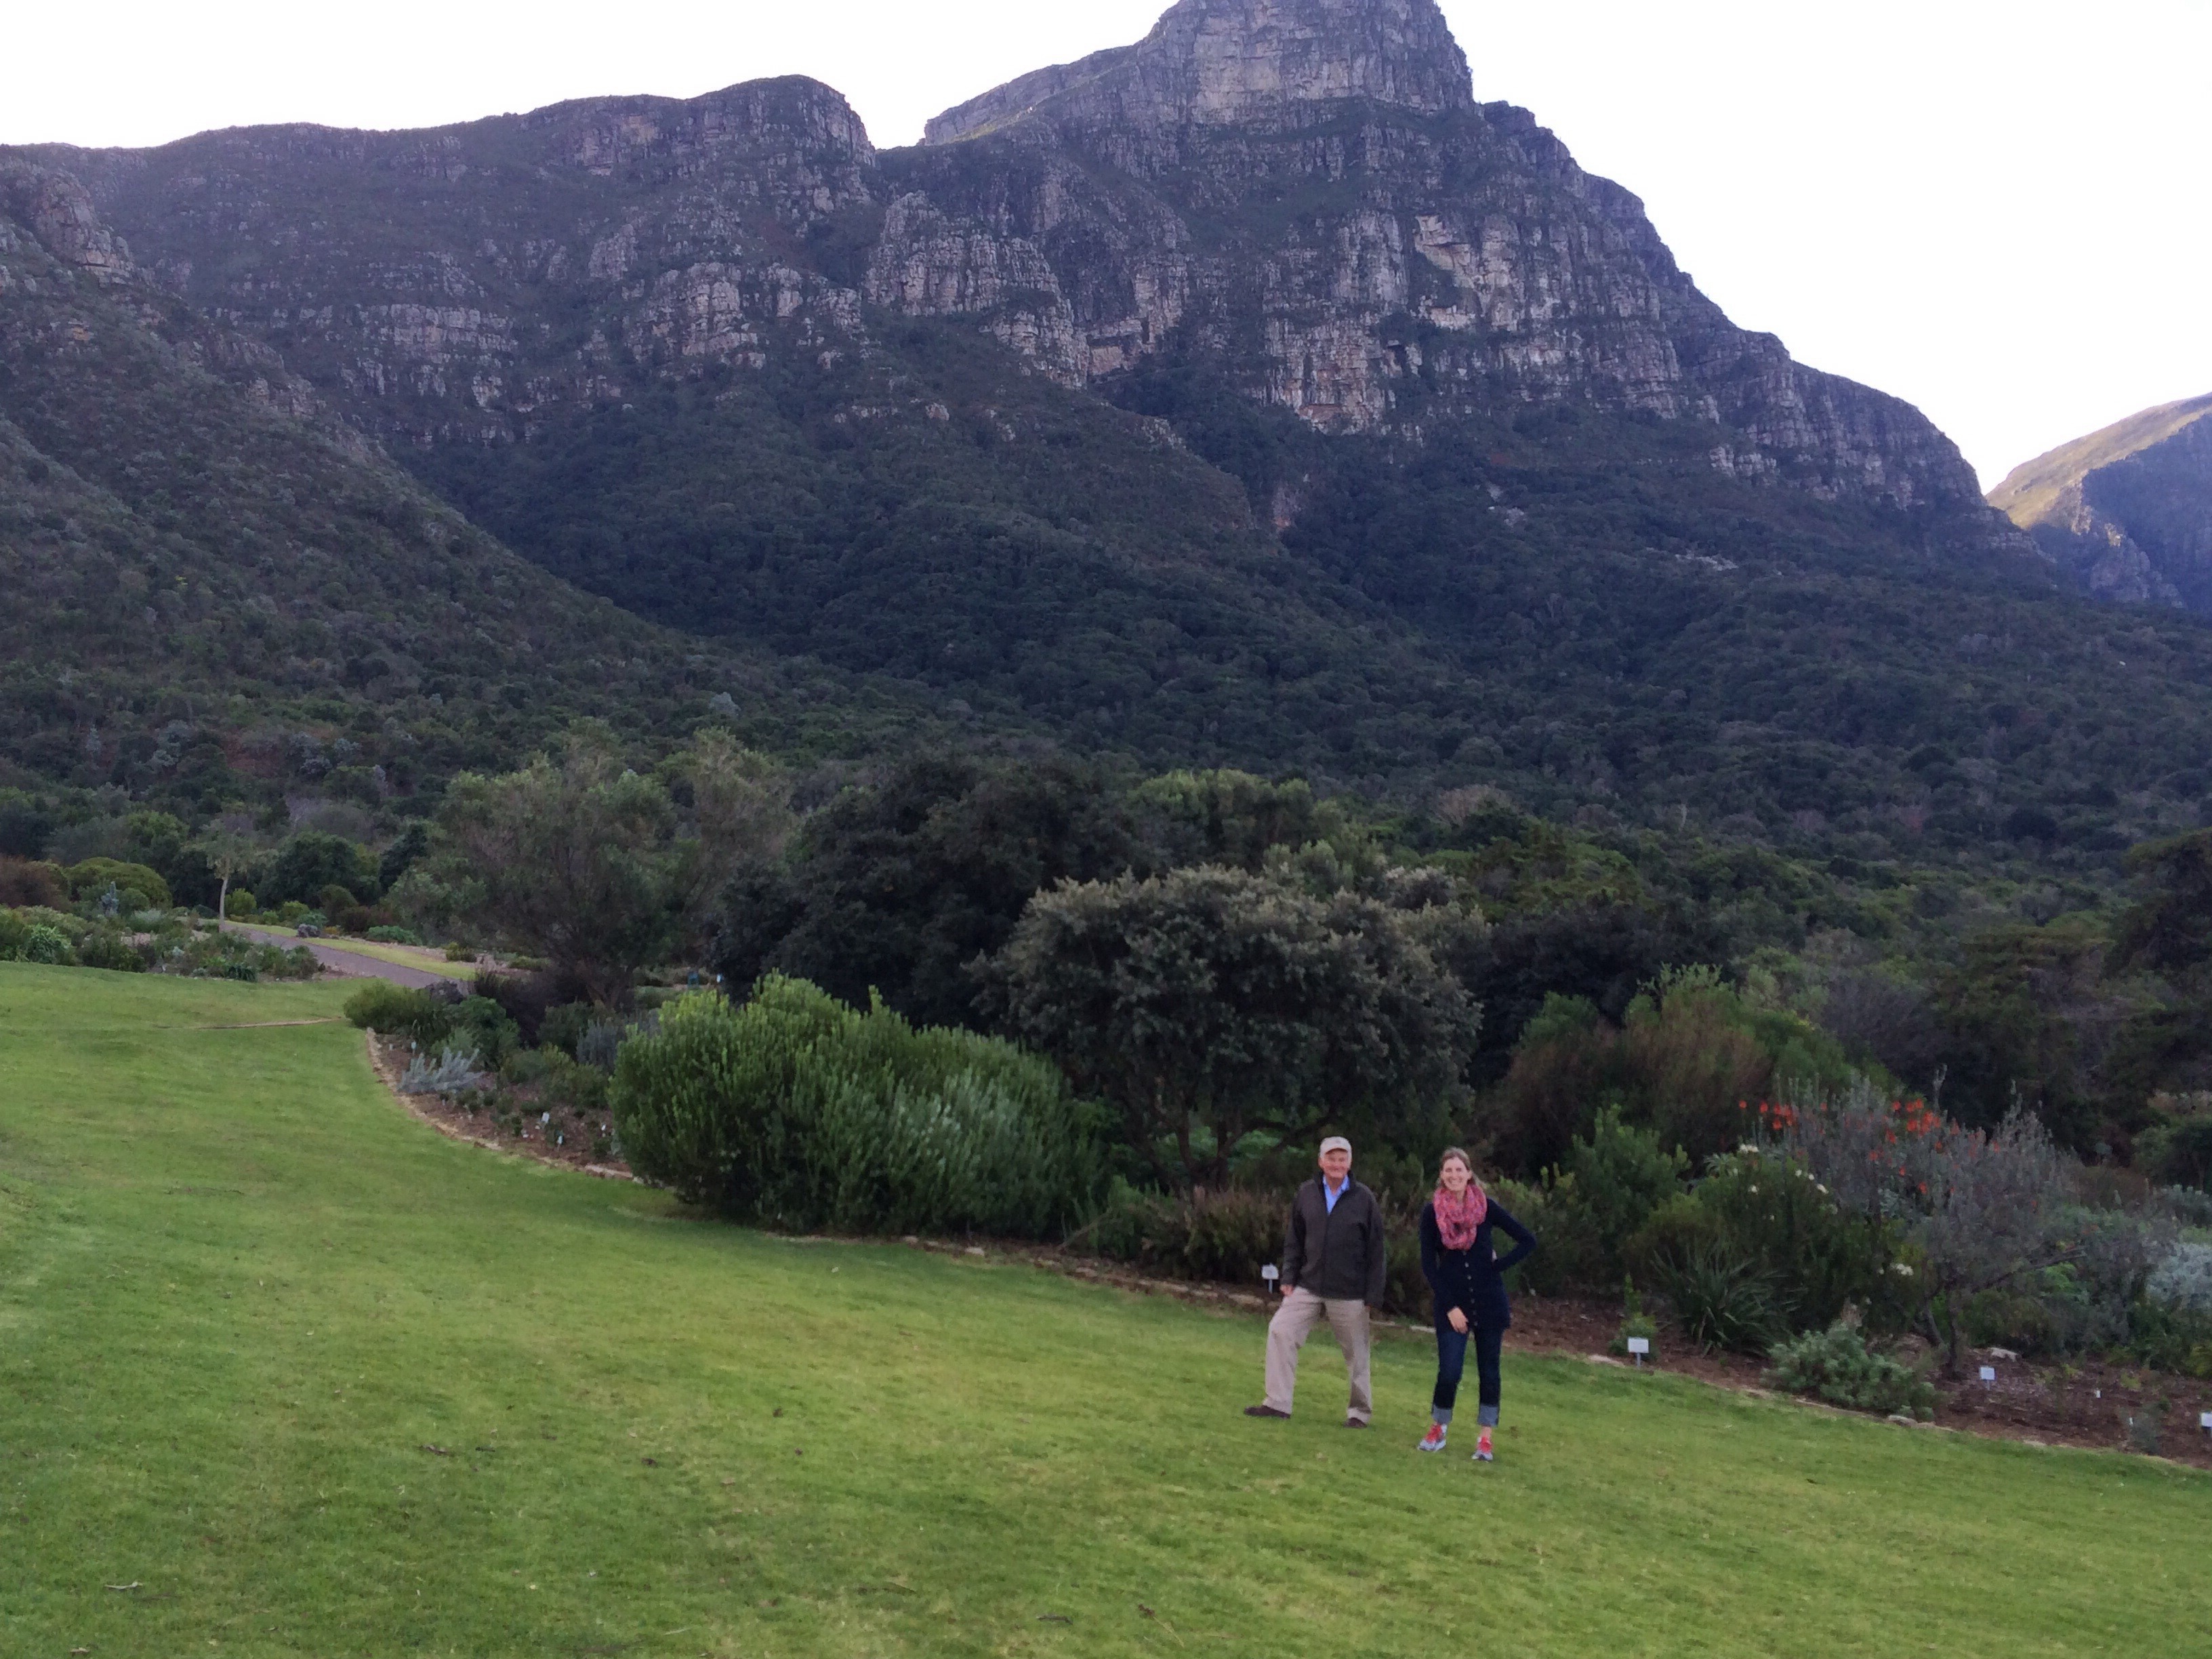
(94, 876)
(481, 1024)
(1725, 1300)
(564, 1025)
(801, 1112)
(106, 948)
(705, 1106)
(1568, 1256)
(392, 935)
(1620, 1176)
(1837, 1365)
(400, 1011)
(1765, 1211)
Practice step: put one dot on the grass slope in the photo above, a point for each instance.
(240, 1292)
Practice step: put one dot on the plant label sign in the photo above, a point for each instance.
(2204, 1421)
(1989, 1373)
(1270, 1274)
(1639, 1346)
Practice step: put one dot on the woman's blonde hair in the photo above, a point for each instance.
(1459, 1152)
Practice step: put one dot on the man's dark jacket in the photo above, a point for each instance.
(1336, 1254)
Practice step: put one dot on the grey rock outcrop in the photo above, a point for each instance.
(1302, 193)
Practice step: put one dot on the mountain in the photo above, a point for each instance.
(1249, 395)
(1302, 191)
(2126, 510)
(214, 589)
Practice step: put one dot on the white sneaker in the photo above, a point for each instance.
(1433, 1440)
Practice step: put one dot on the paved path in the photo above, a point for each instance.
(336, 959)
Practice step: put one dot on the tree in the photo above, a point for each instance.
(312, 860)
(599, 867)
(898, 886)
(226, 855)
(1207, 1004)
(2168, 929)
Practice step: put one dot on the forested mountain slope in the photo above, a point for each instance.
(210, 582)
(1248, 396)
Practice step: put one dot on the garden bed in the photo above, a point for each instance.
(572, 1140)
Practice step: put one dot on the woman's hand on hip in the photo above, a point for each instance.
(1458, 1321)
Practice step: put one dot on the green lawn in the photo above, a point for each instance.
(240, 1292)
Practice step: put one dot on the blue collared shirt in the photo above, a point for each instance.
(1329, 1194)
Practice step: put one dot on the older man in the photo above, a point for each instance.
(1333, 1268)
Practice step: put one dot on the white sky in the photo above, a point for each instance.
(1994, 208)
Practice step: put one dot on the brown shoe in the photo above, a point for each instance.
(1263, 1410)
(1355, 1422)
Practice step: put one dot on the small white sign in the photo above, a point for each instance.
(1639, 1344)
(1989, 1373)
(2204, 1420)
(1269, 1272)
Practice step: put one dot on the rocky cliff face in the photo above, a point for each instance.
(2126, 510)
(1301, 194)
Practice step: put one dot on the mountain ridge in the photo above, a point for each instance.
(2126, 510)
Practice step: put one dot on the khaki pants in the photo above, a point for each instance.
(1287, 1332)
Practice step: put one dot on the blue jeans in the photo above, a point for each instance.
(1451, 1363)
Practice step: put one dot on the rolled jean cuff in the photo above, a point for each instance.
(1440, 1415)
(1487, 1416)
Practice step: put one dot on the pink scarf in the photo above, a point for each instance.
(1458, 1217)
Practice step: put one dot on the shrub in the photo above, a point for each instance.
(563, 1027)
(23, 882)
(800, 1111)
(48, 945)
(95, 876)
(1620, 1176)
(1822, 1257)
(1226, 1236)
(457, 951)
(400, 1011)
(1985, 1212)
(601, 1043)
(2170, 1339)
(704, 1107)
(935, 1128)
(455, 1069)
(570, 1086)
(485, 1026)
(239, 904)
(2182, 1281)
(393, 936)
(109, 950)
(1723, 1300)
(1837, 1366)
(1570, 1254)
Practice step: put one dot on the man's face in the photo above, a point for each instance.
(1336, 1163)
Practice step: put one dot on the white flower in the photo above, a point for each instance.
(1754, 1189)
(1904, 1270)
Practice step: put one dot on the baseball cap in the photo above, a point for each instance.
(1336, 1144)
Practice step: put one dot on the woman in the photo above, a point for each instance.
(1467, 1276)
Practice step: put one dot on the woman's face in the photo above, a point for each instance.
(1456, 1176)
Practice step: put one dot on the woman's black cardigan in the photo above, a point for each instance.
(1473, 1279)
